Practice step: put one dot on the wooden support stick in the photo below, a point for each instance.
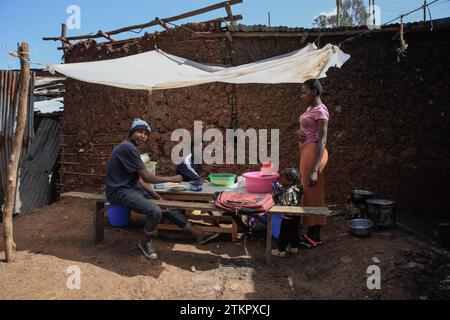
(24, 87)
(107, 36)
(153, 22)
(162, 23)
(230, 14)
(63, 37)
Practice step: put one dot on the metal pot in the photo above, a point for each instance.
(381, 212)
(358, 196)
(360, 227)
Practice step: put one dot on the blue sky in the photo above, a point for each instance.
(29, 21)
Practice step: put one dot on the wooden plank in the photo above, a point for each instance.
(182, 197)
(230, 13)
(164, 226)
(300, 210)
(184, 205)
(296, 211)
(82, 174)
(208, 217)
(84, 195)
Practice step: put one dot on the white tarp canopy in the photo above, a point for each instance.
(155, 70)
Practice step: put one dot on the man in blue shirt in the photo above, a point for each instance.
(125, 185)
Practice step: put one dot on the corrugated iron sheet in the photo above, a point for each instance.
(9, 101)
(265, 28)
(36, 170)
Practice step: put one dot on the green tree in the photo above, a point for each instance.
(351, 13)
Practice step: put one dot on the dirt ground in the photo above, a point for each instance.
(51, 239)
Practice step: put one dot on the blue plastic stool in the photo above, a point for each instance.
(118, 216)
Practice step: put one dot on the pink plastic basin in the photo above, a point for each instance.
(259, 184)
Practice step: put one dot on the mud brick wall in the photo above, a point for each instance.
(389, 127)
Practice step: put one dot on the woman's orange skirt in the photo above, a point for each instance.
(313, 196)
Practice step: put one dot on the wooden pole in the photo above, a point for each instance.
(155, 21)
(63, 37)
(373, 12)
(424, 10)
(338, 5)
(24, 87)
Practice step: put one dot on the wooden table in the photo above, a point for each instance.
(204, 196)
(192, 204)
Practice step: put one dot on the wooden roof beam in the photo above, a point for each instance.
(154, 22)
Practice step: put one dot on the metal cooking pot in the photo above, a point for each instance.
(358, 196)
(360, 227)
(381, 212)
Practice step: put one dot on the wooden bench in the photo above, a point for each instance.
(99, 214)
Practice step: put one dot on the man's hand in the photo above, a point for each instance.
(177, 179)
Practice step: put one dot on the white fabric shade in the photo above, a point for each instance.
(155, 70)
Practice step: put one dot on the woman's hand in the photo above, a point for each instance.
(301, 136)
(312, 178)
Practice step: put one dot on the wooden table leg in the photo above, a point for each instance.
(269, 238)
(234, 231)
(99, 223)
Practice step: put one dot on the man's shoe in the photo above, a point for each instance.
(206, 237)
(148, 250)
(278, 253)
(291, 250)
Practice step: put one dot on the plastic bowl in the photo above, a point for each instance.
(360, 227)
(196, 185)
(257, 183)
(222, 179)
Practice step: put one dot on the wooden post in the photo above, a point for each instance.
(269, 238)
(63, 36)
(424, 10)
(373, 13)
(99, 223)
(338, 4)
(24, 87)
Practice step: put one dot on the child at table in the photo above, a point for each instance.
(188, 169)
(288, 192)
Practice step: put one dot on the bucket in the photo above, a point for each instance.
(276, 224)
(381, 212)
(119, 216)
(259, 184)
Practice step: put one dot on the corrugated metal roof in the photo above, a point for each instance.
(36, 170)
(265, 28)
(49, 106)
(9, 102)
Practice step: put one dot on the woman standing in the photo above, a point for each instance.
(313, 156)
